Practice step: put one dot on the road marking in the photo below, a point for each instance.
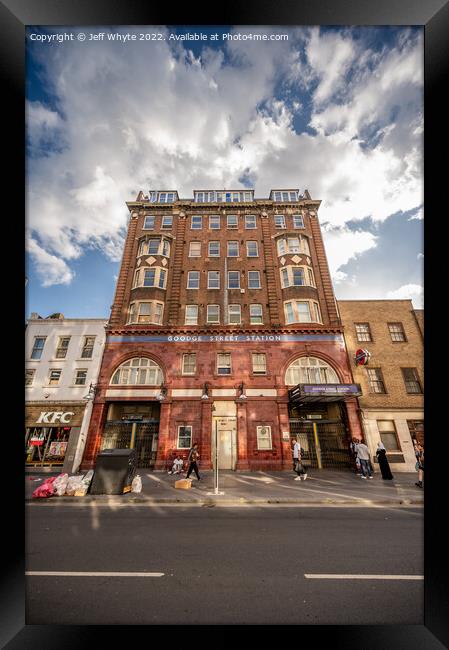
(192, 504)
(88, 574)
(355, 576)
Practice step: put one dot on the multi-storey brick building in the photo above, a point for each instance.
(225, 327)
(392, 381)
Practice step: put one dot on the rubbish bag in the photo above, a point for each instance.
(73, 484)
(136, 485)
(45, 490)
(85, 482)
(60, 484)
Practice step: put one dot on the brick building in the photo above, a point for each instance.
(225, 327)
(392, 398)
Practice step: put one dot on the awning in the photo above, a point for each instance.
(306, 393)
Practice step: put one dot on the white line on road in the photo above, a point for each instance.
(86, 574)
(355, 576)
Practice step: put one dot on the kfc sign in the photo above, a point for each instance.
(51, 417)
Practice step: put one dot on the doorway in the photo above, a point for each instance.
(224, 430)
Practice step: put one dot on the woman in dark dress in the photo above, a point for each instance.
(381, 454)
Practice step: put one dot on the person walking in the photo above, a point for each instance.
(419, 455)
(355, 458)
(384, 465)
(193, 457)
(298, 467)
(363, 455)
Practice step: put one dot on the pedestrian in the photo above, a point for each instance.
(177, 465)
(419, 455)
(353, 452)
(363, 455)
(384, 465)
(193, 457)
(298, 467)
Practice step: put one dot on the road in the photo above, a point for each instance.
(224, 565)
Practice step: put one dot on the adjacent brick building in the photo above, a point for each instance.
(224, 304)
(392, 398)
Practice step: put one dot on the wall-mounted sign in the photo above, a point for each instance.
(285, 435)
(51, 417)
(361, 357)
(228, 338)
(330, 389)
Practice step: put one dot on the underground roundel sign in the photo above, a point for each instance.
(361, 357)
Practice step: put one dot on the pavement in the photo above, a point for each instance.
(322, 487)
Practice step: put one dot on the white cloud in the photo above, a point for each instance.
(420, 256)
(415, 292)
(343, 245)
(419, 214)
(51, 269)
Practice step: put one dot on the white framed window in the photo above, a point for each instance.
(196, 222)
(88, 347)
(54, 376)
(224, 363)
(138, 371)
(234, 314)
(38, 346)
(255, 314)
(80, 377)
(155, 246)
(311, 277)
(250, 221)
(214, 222)
(214, 249)
(148, 222)
(195, 249)
(184, 436)
(167, 197)
(29, 377)
(189, 363)
(302, 311)
(296, 276)
(290, 245)
(146, 312)
(191, 317)
(279, 221)
(252, 249)
(63, 346)
(233, 249)
(259, 362)
(232, 221)
(167, 222)
(298, 221)
(193, 280)
(213, 279)
(154, 276)
(233, 279)
(264, 437)
(254, 280)
(388, 435)
(310, 370)
(213, 313)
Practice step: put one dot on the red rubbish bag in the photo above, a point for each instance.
(45, 490)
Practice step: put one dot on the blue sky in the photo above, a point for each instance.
(338, 111)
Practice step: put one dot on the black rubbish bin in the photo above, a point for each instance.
(114, 471)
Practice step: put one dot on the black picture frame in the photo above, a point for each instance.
(15, 15)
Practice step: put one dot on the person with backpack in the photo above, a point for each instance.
(193, 457)
(298, 467)
(419, 455)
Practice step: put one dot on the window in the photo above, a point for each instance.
(264, 437)
(39, 342)
(259, 360)
(154, 276)
(363, 332)
(224, 363)
(195, 249)
(285, 196)
(197, 222)
(54, 377)
(279, 221)
(253, 280)
(213, 314)
(189, 363)
(302, 311)
(255, 314)
(411, 380)
(149, 277)
(310, 277)
(397, 332)
(213, 279)
(375, 379)
(162, 278)
(233, 279)
(80, 377)
(88, 347)
(191, 315)
(232, 221)
(166, 197)
(63, 345)
(148, 223)
(250, 221)
(214, 249)
(252, 249)
(138, 371)
(153, 246)
(214, 222)
(233, 249)
(167, 223)
(290, 245)
(310, 370)
(184, 437)
(29, 377)
(387, 431)
(298, 221)
(193, 280)
(146, 312)
(234, 314)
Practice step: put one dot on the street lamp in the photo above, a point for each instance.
(241, 389)
(205, 394)
(91, 392)
(163, 393)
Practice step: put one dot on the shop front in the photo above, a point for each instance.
(51, 434)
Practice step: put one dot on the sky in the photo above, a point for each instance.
(337, 111)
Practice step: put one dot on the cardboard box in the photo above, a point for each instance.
(183, 484)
